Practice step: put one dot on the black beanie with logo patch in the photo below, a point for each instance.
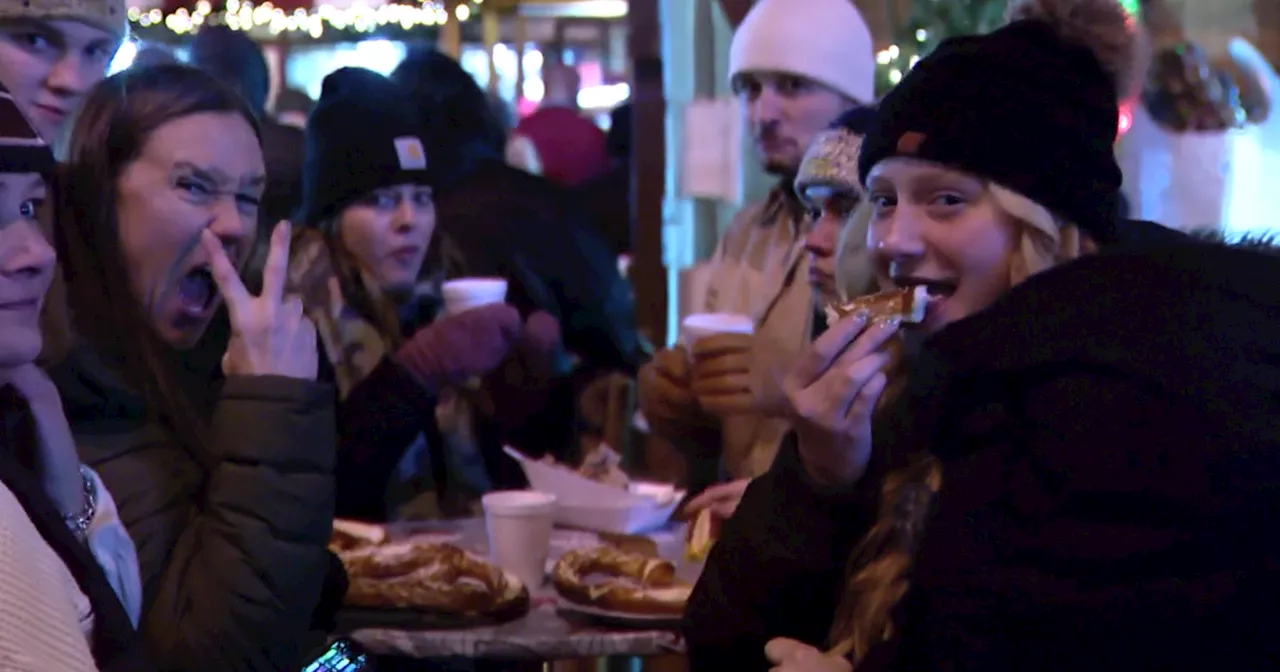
(363, 135)
(1033, 106)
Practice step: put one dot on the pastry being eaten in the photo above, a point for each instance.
(614, 580)
(905, 303)
(410, 574)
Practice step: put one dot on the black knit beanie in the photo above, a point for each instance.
(1032, 106)
(22, 150)
(363, 135)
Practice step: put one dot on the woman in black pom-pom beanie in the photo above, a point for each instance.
(1075, 470)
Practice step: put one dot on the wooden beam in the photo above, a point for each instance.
(491, 26)
(450, 38)
(648, 161)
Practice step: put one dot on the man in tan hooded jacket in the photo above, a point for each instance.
(795, 65)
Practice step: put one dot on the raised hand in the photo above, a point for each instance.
(832, 391)
(270, 336)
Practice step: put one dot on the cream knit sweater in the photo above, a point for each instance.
(40, 628)
(45, 620)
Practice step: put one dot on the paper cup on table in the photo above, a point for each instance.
(518, 523)
(701, 325)
(465, 294)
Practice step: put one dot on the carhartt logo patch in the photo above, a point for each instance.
(409, 151)
(909, 143)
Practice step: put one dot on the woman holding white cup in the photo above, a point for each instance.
(368, 219)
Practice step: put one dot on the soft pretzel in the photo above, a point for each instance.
(632, 584)
(906, 303)
(434, 577)
(350, 534)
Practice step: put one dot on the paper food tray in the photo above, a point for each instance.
(588, 505)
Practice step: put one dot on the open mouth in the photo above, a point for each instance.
(937, 289)
(197, 291)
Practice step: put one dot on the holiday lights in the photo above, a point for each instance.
(978, 16)
(244, 15)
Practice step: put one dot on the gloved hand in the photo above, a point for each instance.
(665, 394)
(538, 345)
(516, 388)
(458, 347)
(729, 376)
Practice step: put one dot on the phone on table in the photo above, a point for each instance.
(342, 655)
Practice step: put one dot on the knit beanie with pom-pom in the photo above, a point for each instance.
(1033, 106)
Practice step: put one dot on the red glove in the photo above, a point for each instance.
(518, 387)
(458, 347)
(539, 343)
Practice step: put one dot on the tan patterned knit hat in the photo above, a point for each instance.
(831, 163)
(109, 15)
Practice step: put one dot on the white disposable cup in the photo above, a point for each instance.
(465, 294)
(701, 325)
(518, 523)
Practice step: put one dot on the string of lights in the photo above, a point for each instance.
(359, 17)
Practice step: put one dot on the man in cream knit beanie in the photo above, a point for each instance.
(795, 66)
(53, 51)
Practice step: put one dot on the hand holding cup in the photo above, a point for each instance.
(665, 395)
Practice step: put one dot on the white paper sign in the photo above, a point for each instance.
(711, 159)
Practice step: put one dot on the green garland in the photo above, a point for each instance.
(931, 22)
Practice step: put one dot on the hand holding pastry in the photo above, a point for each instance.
(832, 391)
(721, 500)
(708, 511)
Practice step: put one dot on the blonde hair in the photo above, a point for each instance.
(855, 270)
(880, 565)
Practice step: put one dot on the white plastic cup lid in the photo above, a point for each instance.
(719, 323)
(518, 503)
(701, 325)
(475, 287)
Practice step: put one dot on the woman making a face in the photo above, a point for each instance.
(368, 219)
(226, 488)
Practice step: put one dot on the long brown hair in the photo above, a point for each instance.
(119, 115)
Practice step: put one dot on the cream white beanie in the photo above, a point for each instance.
(824, 40)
